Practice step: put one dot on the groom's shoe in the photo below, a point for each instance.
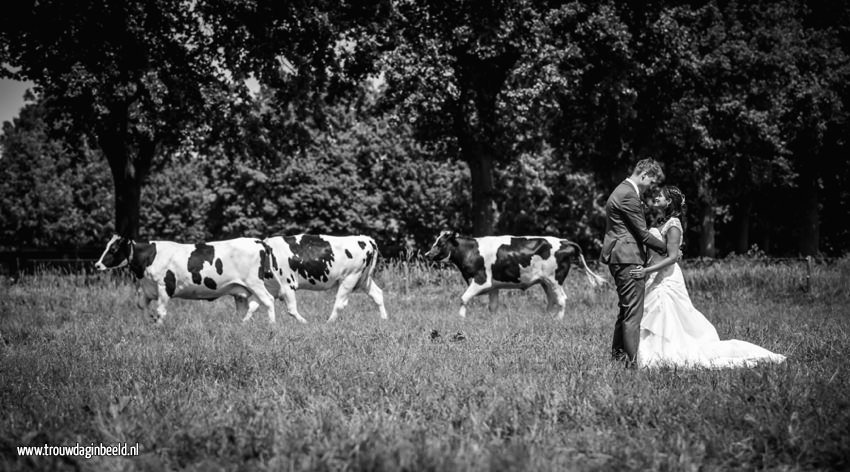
(619, 355)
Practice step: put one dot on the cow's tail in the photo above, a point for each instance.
(594, 279)
(365, 281)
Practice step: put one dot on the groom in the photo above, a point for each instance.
(623, 250)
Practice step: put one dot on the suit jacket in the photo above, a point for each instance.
(626, 235)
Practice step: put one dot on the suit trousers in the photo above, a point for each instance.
(627, 328)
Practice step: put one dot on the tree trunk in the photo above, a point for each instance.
(742, 220)
(707, 233)
(611, 147)
(706, 236)
(809, 242)
(128, 198)
(481, 170)
(128, 176)
(476, 126)
(765, 240)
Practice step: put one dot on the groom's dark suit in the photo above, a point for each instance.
(623, 249)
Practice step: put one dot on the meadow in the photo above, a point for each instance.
(79, 363)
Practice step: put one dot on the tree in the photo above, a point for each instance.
(595, 126)
(448, 71)
(51, 193)
(138, 77)
(179, 195)
(725, 126)
(539, 194)
(709, 90)
(133, 76)
(626, 68)
(56, 193)
(817, 117)
(359, 172)
(755, 115)
(307, 54)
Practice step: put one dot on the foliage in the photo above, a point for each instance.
(738, 119)
(51, 193)
(176, 201)
(307, 53)
(132, 76)
(55, 195)
(359, 173)
(714, 92)
(448, 68)
(541, 196)
(140, 78)
(397, 119)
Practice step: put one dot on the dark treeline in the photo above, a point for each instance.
(398, 119)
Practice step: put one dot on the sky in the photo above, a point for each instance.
(11, 98)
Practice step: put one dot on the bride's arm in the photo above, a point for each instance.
(673, 239)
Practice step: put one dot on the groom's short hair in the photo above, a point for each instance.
(651, 167)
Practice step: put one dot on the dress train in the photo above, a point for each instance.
(674, 333)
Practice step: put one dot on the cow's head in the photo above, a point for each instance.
(117, 254)
(443, 246)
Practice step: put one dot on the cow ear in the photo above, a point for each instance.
(451, 235)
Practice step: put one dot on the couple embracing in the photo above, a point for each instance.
(657, 324)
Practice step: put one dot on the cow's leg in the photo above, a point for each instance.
(161, 304)
(471, 291)
(241, 305)
(267, 300)
(142, 300)
(288, 295)
(377, 296)
(346, 286)
(551, 299)
(493, 305)
(253, 304)
(555, 296)
(560, 299)
(145, 294)
(259, 296)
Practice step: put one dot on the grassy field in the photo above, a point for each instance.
(80, 364)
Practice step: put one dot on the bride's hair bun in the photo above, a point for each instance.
(677, 207)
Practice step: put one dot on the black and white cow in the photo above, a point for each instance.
(491, 263)
(205, 271)
(319, 262)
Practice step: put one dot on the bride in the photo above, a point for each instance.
(672, 331)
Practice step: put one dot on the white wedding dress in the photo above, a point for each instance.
(674, 333)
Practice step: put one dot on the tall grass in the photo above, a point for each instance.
(521, 391)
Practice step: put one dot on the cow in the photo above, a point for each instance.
(491, 263)
(204, 271)
(320, 262)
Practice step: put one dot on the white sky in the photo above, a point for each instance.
(11, 98)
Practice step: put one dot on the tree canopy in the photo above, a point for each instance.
(397, 119)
